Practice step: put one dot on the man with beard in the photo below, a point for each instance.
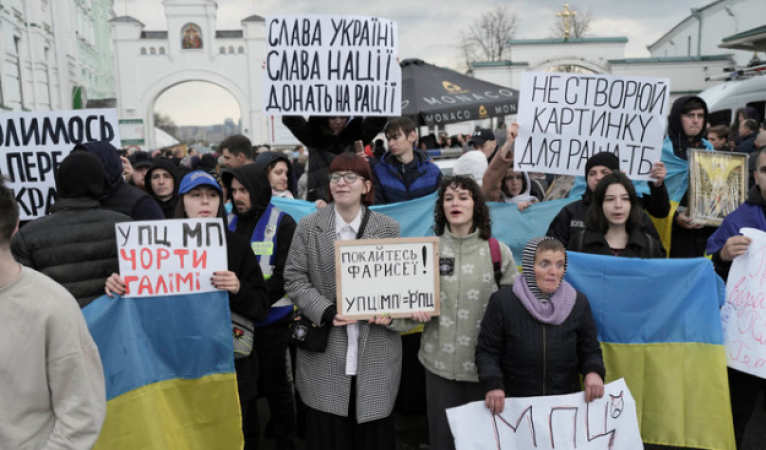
(270, 232)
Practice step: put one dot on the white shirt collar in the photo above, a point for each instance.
(355, 224)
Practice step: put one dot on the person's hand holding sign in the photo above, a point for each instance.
(735, 246)
(658, 173)
(226, 280)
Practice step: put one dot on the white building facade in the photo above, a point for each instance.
(56, 54)
(192, 49)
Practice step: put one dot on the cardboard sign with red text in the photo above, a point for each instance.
(170, 257)
(744, 313)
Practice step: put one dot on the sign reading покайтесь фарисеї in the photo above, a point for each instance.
(326, 65)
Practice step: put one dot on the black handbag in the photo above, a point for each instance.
(306, 334)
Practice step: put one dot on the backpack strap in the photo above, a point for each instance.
(497, 260)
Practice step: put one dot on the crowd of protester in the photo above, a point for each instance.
(343, 397)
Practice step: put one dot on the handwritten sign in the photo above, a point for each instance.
(744, 313)
(561, 422)
(170, 257)
(395, 276)
(33, 144)
(331, 65)
(564, 119)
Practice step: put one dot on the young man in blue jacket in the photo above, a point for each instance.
(404, 173)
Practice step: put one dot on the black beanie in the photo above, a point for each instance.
(606, 159)
(80, 174)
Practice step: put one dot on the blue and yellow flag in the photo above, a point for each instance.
(660, 329)
(169, 371)
(416, 218)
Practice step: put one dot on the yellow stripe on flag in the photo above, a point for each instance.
(686, 382)
(199, 414)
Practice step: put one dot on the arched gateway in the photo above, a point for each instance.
(151, 62)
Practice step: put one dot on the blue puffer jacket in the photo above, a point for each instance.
(397, 182)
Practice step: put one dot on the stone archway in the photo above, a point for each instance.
(153, 93)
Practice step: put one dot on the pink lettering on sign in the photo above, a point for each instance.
(740, 351)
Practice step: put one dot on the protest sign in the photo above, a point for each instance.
(33, 144)
(170, 257)
(395, 276)
(565, 118)
(744, 313)
(561, 422)
(326, 65)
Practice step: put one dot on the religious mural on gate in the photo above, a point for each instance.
(191, 36)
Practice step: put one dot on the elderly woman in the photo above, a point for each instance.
(351, 386)
(539, 336)
(613, 223)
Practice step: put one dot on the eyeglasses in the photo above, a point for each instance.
(350, 177)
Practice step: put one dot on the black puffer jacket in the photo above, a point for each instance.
(323, 146)
(640, 245)
(75, 246)
(118, 195)
(526, 358)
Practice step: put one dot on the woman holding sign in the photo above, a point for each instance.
(538, 337)
(349, 385)
(471, 268)
(200, 197)
(613, 223)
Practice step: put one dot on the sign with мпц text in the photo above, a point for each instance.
(170, 257)
(566, 118)
(392, 276)
(326, 65)
(33, 144)
(744, 313)
(560, 422)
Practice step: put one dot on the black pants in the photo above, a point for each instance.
(743, 389)
(271, 350)
(325, 431)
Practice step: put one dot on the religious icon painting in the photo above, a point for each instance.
(191, 36)
(717, 185)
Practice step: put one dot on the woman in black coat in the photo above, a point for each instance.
(537, 337)
(614, 221)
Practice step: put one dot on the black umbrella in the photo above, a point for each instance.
(436, 96)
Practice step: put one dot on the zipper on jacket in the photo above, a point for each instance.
(545, 359)
(457, 302)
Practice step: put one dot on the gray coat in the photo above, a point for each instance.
(310, 282)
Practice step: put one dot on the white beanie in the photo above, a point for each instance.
(473, 163)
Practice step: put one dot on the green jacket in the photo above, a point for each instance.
(447, 348)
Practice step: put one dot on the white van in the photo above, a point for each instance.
(724, 99)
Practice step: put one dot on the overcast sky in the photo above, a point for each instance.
(428, 29)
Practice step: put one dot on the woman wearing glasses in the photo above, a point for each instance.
(467, 280)
(350, 388)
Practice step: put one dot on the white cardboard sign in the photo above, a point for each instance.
(561, 422)
(326, 65)
(33, 144)
(170, 257)
(395, 276)
(565, 118)
(744, 313)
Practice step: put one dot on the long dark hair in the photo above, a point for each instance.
(481, 220)
(594, 217)
(504, 187)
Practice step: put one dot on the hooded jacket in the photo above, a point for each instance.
(263, 160)
(681, 142)
(168, 207)
(75, 245)
(323, 145)
(119, 196)
(244, 224)
(397, 182)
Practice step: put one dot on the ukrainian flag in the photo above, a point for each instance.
(660, 329)
(169, 371)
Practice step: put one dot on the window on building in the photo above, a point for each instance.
(48, 83)
(143, 50)
(162, 50)
(231, 49)
(152, 51)
(241, 50)
(689, 46)
(17, 46)
(222, 50)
